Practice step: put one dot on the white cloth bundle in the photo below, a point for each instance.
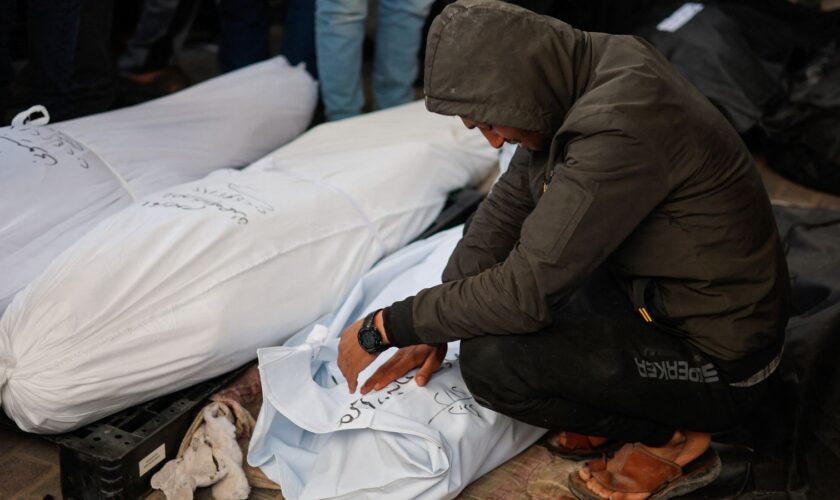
(317, 440)
(212, 457)
(187, 283)
(58, 181)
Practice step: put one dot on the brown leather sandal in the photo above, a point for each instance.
(578, 446)
(634, 469)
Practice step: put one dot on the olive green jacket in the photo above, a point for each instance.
(643, 176)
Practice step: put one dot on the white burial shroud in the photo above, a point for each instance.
(316, 440)
(57, 181)
(187, 283)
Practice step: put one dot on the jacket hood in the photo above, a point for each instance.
(500, 64)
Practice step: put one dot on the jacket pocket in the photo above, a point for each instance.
(551, 225)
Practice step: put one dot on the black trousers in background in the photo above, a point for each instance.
(8, 8)
(70, 70)
(600, 370)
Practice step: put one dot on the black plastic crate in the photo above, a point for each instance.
(117, 456)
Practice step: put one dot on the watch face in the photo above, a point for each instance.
(368, 339)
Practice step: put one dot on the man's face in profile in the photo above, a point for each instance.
(497, 135)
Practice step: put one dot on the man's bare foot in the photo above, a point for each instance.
(683, 447)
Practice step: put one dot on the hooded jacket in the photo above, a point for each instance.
(643, 176)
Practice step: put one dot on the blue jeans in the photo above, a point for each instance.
(339, 33)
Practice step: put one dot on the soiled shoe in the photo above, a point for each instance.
(636, 470)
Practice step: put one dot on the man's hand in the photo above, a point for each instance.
(352, 359)
(427, 357)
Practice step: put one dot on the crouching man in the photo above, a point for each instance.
(623, 283)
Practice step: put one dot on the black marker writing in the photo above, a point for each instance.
(58, 143)
(233, 200)
(370, 404)
(238, 194)
(192, 202)
(37, 152)
(455, 401)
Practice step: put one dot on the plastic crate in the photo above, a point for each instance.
(117, 456)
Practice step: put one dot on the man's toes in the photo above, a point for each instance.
(596, 488)
(584, 473)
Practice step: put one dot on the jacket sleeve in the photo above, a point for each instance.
(607, 182)
(494, 229)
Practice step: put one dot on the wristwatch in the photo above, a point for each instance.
(369, 337)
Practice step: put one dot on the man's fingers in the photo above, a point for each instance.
(427, 358)
(430, 364)
(352, 379)
(399, 364)
(387, 373)
(344, 367)
(350, 374)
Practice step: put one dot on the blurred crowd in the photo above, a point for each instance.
(771, 66)
(79, 57)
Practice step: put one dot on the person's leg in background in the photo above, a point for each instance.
(71, 69)
(93, 86)
(399, 27)
(53, 27)
(7, 74)
(148, 66)
(339, 33)
(151, 37)
(243, 39)
(298, 43)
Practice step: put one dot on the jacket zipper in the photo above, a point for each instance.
(547, 178)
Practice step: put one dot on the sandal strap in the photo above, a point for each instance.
(597, 464)
(634, 469)
(574, 441)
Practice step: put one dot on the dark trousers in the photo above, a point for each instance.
(298, 44)
(600, 370)
(243, 39)
(150, 47)
(7, 7)
(71, 71)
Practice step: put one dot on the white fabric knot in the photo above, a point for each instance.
(35, 116)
